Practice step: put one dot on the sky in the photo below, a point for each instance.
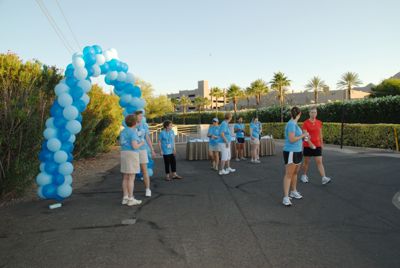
(173, 44)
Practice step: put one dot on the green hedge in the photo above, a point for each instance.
(360, 135)
(369, 111)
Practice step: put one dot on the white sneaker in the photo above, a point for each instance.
(304, 178)
(257, 162)
(286, 201)
(125, 200)
(295, 195)
(325, 180)
(243, 158)
(134, 202)
(148, 193)
(223, 172)
(230, 170)
(237, 160)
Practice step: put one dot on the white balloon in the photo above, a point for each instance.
(126, 98)
(100, 59)
(112, 75)
(64, 100)
(108, 55)
(96, 70)
(80, 73)
(70, 112)
(130, 78)
(64, 190)
(77, 54)
(68, 179)
(60, 157)
(121, 76)
(135, 102)
(39, 192)
(41, 167)
(61, 88)
(50, 133)
(85, 98)
(78, 62)
(54, 144)
(72, 138)
(65, 168)
(114, 53)
(73, 126)
(50, 122)
(43, 178)
(85, 85)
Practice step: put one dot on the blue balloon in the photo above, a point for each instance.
(97, 49)
(114, 64)
(104, 68)
(67, 146)
(90, 71)
(70, 66)
(136, 92)
(63, 134)
(60, 122)
(71, 81)
(131, 109)
(49, 191)
(79, 118)
(122, 103)
(118, 91)
(56, 110)
(58, 179)
(69, 72)
(50, 167)
(124, 67)
(70, 157)
(80, 105)
(88, 50)
(76, 93)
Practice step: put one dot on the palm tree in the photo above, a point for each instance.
(316, 84)
(184, 102)
(200, 102)
(235, 93)
(214, 92)
(248, 93)
(259, 88)
(347, 82)
(175, 103)
(279, 82)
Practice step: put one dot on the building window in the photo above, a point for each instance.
(192, 96)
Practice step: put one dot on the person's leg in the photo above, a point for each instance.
(241, 151)
(253, 151)
(125, 190)
(320, 166)
(216, 159)
(223, 156)
(287, 179)
(166, 165)
(211, 156)
(237, 150)
(131, 181)
(293, 181)
(146, 178)
(228, 161)
(306, 165)
(258, 150)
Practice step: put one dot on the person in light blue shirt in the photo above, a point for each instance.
(166, 143)
(292, 156)
(225, 139)
(130, 164)
(255, 132)
(213, 148)
(239, 131)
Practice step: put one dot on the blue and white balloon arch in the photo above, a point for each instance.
(54, 180)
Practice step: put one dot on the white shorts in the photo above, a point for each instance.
(225, 152)
(130, 162)
(213, 148)
(143, 157)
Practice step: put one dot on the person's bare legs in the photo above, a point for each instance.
(289, 171)
(293, 182)
(253, 152)
(146, 179)
(320, 166)
(306, 164)
(258, 151)
(216, 159)
(131, 181)
(241, 151)
(125, 180)
(211, 155)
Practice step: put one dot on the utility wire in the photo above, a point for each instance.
(69, 26)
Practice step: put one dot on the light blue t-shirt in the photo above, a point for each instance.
(239, 134)
(297, 146)
(142, 130)
(224, 128)
(255, 129)
(167, 141)
(126, 137)
(213, 131)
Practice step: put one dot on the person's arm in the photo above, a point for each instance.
(251, 133)
(293, 138)
(173, 143)
(150, 143)
(209, 133)
(137, 145)
(321, 137)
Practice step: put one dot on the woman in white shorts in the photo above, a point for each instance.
(255, 140)
(225, 139)
(130, 143)
(213, 148)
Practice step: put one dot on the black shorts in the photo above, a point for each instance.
(312, 152)
(292, 157)
(240, 140)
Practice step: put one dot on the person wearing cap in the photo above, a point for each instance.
(239, 130)
(225, 138)
(213, 148)
(255, 132)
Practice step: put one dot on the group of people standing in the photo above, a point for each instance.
(135, 144)
(308, 142)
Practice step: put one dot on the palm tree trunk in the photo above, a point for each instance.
(349, 93)
(281, 103)
(315, 96)
(211, 102)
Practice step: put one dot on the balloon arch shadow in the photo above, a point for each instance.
(54, 180)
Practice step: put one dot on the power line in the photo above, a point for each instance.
(69, 26)
(54, 26)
